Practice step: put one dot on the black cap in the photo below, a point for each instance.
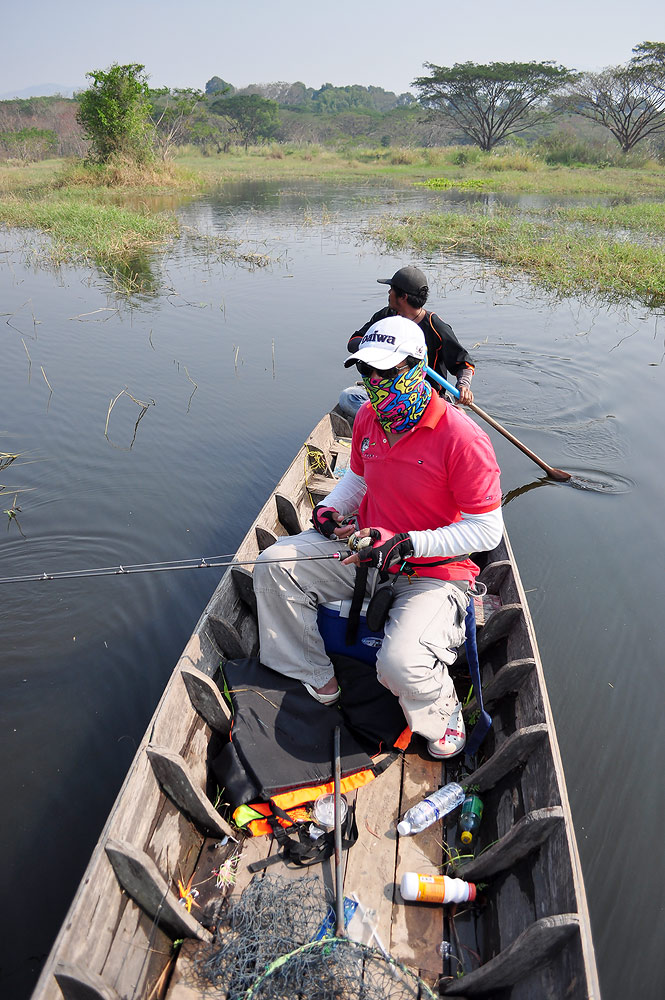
(409, 279)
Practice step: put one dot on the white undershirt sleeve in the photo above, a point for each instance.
(345, 497)
(474, 533)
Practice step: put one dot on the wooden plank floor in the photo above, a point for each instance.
(411, 932)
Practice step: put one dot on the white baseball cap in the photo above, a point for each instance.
(388, 342)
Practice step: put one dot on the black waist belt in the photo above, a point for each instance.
(359, 588)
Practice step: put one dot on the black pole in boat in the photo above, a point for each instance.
(340, 930)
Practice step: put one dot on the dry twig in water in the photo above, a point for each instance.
(139, 402)
(109, 309)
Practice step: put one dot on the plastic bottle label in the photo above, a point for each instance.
(472, 804)
(431, 889)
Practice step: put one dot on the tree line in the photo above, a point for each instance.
(492, 102)
(326, 99)
(486, 104)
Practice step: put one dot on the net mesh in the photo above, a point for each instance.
(266, 948)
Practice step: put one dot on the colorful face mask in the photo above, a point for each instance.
(399, 402)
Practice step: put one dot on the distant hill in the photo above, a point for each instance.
(41, 90)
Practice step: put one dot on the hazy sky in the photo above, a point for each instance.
(340, 42)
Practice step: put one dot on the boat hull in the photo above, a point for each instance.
(528, 937)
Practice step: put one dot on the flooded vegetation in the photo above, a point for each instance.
(106, 214)
(564, 259)
(151, 404)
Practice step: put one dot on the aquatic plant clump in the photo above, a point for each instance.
(445, 184)
(568, 261)
(272, 945)
(85, 230)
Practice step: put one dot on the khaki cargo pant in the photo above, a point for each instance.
(425, 626)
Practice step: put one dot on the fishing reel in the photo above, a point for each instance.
(357, 544)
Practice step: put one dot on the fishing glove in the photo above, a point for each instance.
(324, 521)
(385, 549)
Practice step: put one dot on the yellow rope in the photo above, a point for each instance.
(314, 462)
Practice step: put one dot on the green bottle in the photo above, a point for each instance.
(469, 821)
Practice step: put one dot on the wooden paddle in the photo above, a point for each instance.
(553, 473)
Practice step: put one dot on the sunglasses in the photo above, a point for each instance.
(385, 373)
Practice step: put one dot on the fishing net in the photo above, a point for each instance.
(276, 943)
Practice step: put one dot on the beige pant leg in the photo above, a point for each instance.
(425, 626)
(287, 595)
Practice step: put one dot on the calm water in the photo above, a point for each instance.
(83, 662)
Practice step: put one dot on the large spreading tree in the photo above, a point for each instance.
(251, 117)
(115, 113)
(629, 100)
(491, 102)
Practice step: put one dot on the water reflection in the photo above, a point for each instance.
(133, 275)
(83, 664)
(519, 491)
(588, 480)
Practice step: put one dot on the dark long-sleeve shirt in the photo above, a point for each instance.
(444, 351)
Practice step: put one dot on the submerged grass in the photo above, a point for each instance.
(100, 214)
(640, 217)
(87, 230)
(568, 262)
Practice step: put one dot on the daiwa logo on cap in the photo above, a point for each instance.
(373, 337)
(389, 341)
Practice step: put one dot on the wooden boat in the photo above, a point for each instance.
(531, 937)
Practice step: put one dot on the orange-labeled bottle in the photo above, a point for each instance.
(436, 889)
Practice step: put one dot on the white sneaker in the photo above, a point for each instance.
(325, 699)
(454, 739)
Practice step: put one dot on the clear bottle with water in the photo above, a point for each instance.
(436, 805)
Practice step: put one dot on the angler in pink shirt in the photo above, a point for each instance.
(424, 485)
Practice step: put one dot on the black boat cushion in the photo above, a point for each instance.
(282, 738)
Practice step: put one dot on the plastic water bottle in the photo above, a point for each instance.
(470, 817)
(436, 805)
(436, 889)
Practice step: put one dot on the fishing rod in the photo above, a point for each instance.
(212, 562)
(553, 473)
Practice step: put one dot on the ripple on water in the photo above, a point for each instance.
(599, 481)
(588, 480)
(601, 439)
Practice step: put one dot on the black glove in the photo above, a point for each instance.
(386, 549)
(323, 520)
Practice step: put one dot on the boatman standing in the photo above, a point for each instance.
(407, 297)
(424, 481)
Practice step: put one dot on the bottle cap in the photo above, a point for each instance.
(404, 827)
(466, 837)
(323, 811)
